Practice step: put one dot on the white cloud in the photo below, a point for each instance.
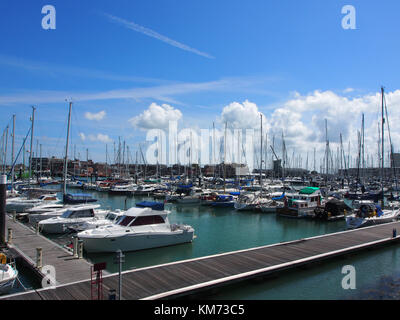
(82, 136)
(302, 119)
(242, 115)
(156, 117)
(95, 116)
(100, 137)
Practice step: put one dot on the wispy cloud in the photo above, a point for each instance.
(161, 93)
(54, 70)
(156, 35)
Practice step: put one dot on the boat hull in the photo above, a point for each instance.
(223, 204)
(35, 218)
(355, 222)
(8, 283)
(20, 207)
(135, 242)
(121, 192)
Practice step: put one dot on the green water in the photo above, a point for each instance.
(224, 230)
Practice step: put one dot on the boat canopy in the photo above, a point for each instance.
(280, 197)
(234, 193)
(308, 190)
(151, 204)
(183, 186)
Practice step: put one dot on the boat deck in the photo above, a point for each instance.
(181, 278)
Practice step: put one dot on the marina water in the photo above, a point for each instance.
(223, 230)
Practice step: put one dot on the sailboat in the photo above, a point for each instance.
(370, 214)
(72, 198)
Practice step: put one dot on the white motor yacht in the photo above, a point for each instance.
(74, 216)
(46, 207)
(96, 222)
(123, 189)
(143, 190)
(35, 218)
(137, 229)
(22, 204)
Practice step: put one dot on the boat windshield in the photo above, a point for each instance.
(111, 216)
(67, 214)
(125, 220)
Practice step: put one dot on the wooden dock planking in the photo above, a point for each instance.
(68, 269)
(184, 277)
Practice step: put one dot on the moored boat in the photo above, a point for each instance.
(137, 229)
(371, 214)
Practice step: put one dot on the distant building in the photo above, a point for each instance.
(277, 167)
(395, 160)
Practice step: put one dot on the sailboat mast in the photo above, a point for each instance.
(261, 160)
(225, 156)
(106, 159)
(30, 154)
(5, 151)
(66, 152)
(383, 141)
(12, 154)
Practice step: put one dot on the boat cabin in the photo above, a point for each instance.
(75, 213)
(307, 197)
(135, 217)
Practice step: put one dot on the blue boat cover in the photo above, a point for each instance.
(183, 186)
(279, 198)
(379, 211)
(151, 204)
(224, 197)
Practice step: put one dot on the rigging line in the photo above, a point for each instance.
(8, 125)
(391, 146)
(59, 139)
(79, 129)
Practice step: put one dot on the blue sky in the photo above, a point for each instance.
(201, 57)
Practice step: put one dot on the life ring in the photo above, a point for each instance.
(3, 258)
